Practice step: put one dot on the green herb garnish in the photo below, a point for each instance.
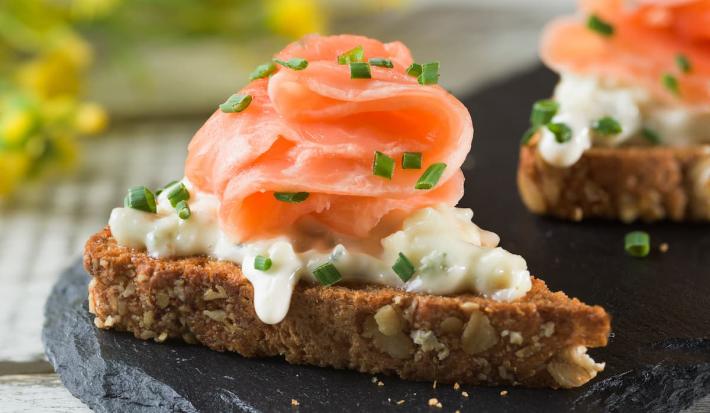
(637, 243)
(236, 103)
(543, 111)
(381, 62)
(291, 197)
(262, 71)
(607, 126)
(651, 136)
(356, 54)
(360, 70)
(430, 74)
(600, 26)
(183, 210)
(383, 165)
(140, 198)
(683, 63)
(403, 268)
(412, 160)
(177, 192)
(670, 82)
(295, 63)
(327, 274)
(262, 263)
(562, 132)
(431, 176)
(415, 69)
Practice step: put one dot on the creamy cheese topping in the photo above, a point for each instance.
(450, 253)
(583, 100)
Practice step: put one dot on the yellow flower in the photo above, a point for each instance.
(15, 125)
(295, 18)
(90, 119)
(13, 168)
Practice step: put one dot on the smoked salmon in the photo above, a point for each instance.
(640, 44)
(316, 131)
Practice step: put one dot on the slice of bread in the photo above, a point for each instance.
(539, 340)
(627, 183)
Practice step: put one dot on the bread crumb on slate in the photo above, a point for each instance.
(663, 247)
(380, 383)
(457, 386)
(401, 402)
(434, 402)
(295, 402)
(504, 393)
(433, 386)
(464, 393)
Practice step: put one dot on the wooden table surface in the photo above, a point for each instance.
(44, 228)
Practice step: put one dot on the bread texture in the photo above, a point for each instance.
(539, 340)
(626, 183)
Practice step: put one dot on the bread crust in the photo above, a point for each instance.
(627, 183)
(464, 338)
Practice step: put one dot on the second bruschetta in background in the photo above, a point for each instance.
(626, 134)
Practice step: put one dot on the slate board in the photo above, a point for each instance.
(658, 358)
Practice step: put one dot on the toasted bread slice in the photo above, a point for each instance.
(627, 183)
(538, 340)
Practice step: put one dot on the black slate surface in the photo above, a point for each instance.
(658, 358)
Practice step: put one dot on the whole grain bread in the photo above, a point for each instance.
(538, 340)
(626, 183)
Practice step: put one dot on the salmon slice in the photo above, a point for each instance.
(648, 37)
(316, 130)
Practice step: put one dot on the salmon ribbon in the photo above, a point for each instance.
(316, 130)
(648, 37)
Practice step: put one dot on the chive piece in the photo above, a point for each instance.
(607, 126)
(183, 210)
(381, 62)
(262, 71)
(415, 69)
(600, 26)
(383, 165)
(430, 74)
(412, 160)
(683, 63)
(176, 193)
(262, 263)
(637, 244)
(291, 197)
(160, 191)
(360, 70)
(236, 103)
(295, 63)
(671, 83)
(356, 54)
(528, 135)
(327, 274)
(543, 111)
(403, 268)
(562, 132)
(431, 176)
(651, 136)
(140, 198)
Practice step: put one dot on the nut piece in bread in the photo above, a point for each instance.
(538, 340)
(627, 183)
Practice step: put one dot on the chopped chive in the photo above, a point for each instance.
(651, 136)
(600, 26)
(383, 165)
(236, 103)
(683, 63)
(412, 160)
(183, 210)
(262, 263)
(160, 191)
(562, 132)
(176, 193)
(671, 83)
(381, 62)
(430, 74)
(291, 197)
(140, 198)
(607, 126)
(295, 63)
(360, 70)
(543, 111)
(327, 274)
(528, 135)
(356, 54)
(431, 176)
(262, 71)
(403, 268)
(415, 69)
(637, 243)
